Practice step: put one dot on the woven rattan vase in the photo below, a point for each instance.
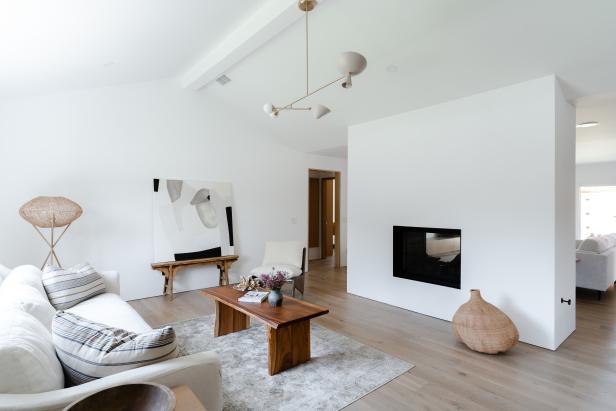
(483, 327)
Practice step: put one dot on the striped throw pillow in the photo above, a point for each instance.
(88, 350)
(68, 287)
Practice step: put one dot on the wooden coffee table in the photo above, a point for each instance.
(287, 327)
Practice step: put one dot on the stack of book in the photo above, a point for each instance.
(256, 297)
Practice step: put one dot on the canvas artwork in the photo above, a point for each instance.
(192, 219)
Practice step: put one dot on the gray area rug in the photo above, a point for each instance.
(340, 372)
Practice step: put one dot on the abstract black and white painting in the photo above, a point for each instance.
(192, 219)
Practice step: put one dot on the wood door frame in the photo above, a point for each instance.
(323, 234)
(314, 212)
(338, 178)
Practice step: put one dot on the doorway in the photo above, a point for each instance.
(323, 216)
(597, 211)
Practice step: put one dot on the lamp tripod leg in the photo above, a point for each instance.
(53, 224)
(52, 244)
(46, 259)
(58, 263)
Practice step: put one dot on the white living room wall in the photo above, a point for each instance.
(487, 165)
(103, 147)
(588, 175)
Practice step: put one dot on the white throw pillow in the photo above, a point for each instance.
(27, 357)
(611, 240)
(595, 244)
(26, 274)
(4, 271)
(89, 350)
(26, 298)
(607, 242)
(68, 287)
(288, 270)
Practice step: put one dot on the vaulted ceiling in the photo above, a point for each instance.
(50, 46)
(420, 52)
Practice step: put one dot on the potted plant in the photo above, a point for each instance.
(274, 282)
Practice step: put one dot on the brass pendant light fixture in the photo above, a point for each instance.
(350, 64)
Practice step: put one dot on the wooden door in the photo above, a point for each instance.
(313, 213)
(327, 215)
(337, 219)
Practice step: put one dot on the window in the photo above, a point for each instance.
(597, 210)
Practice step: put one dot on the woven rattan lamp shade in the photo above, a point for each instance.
(47, 212)
(52, 213)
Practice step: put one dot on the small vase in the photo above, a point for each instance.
(483, 327)
(275, 298)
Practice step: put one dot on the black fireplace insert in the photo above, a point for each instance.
(429, 255)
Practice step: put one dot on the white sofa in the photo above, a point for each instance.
(596, 268)
(201, 371)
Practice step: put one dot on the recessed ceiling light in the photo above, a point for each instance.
(392, 68)
(222, 80)
(588, 124)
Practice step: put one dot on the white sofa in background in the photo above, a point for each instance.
(596, 268)
(201, 371)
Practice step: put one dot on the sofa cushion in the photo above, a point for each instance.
(68, 287)
(608, 241)
(25, 298)
(598, 244)
(27, 357)
(26, 274)
(289, 271)
(4, 271)
(112, 310)
(89, 350)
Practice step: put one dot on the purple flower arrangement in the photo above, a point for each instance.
(275, 281)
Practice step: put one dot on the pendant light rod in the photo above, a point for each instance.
(350, 64)
(307, 64)
(290, 105)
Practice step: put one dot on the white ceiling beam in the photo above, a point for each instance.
(262, 26)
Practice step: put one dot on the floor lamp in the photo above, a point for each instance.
(52, 213)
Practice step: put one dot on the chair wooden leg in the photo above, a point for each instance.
(298, 283)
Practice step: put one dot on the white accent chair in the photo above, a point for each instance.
(596, 268)
(201, 371)
(286, 256)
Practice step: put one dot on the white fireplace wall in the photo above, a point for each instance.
(487, 165)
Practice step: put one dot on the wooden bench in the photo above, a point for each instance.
(170, 268)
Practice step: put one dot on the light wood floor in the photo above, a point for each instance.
(581, 375)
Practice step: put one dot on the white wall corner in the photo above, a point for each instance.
(564, 216)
